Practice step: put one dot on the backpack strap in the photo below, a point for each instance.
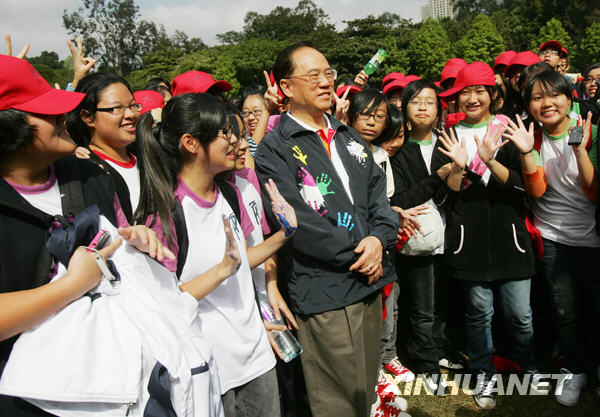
(231, 196)
(182, 236)
(70, 187)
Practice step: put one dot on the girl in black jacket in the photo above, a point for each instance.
(415, 184)
(487, 245)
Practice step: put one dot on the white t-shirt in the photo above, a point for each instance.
(383, 161)
(563, 213)
(247, 182)
(44, 197)
(130, 173)
(229, 316)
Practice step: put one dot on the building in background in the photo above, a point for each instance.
(437, 9)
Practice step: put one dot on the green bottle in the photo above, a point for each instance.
(374, 62)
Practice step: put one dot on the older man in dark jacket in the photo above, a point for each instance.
(334, 266)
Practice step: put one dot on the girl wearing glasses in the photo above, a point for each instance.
(417, 183)
(179, 160)
(255, 114)
(104, 122)
(367, 114)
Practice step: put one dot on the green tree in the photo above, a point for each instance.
(282, 23)
(554, 30)
(429, 50)
(482, 42)
(589, 50)
(113, 33)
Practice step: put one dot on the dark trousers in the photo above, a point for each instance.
(572, 276)
(257, 398)
(341, 357)
(426, 340)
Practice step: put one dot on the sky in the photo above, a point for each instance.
(39, 22)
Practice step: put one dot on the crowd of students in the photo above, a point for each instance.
(352, 209)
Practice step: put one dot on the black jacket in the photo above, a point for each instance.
(413, 185)
(314, 263)
(24, 260)
(486, 237)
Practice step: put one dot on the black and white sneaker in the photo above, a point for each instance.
(484, 394)
(434, 384)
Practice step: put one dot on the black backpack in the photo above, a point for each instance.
(180, 226)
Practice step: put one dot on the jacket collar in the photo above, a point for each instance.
(289, 127)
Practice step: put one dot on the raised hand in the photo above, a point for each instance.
(341, 106)
(8, 42)
(299, 155)
(491, 142)
(272, 99)
(521, 137)
(345, 221)
(408, 218)
(281, 208)
(457, 152)
(323, 182)
(231, 258)
(361, 79)
(81, 65)
(586, 133)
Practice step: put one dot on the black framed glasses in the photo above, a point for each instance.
(549, 52)
(255, 113)
(120, 109)
(379, 117)
(316, 77)
(225, 133)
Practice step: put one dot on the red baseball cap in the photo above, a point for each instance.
(564, 52)
(399, 83)
(149, 99)
(196, 82)
(23, 88)
(477, 73)
(353, 90)
(453, 65)
(524, 59)
(272, 79)
(391, 77)
(551, 44)
(504, 58)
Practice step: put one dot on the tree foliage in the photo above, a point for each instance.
(590, 47)
(481, 43)
(429, 50)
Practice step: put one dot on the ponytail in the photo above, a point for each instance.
(159, 166)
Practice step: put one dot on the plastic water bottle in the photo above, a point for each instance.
(284, 339)
(374, 62)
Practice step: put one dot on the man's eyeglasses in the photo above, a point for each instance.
(316, 77)
(549, 52)
(120, 109)
(255, 113)
(379, 118)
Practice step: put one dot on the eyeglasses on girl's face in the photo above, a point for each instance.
(117, 110)
(378, 117)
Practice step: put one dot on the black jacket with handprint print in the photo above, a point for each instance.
(313, 265)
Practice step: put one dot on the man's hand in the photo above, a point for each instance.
(369, 262)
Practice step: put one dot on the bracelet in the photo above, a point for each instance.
(525, 153)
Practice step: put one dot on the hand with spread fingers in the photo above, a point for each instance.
(491, 142)
(520, 136)
(454, 150)
(81, 65)
(231, 258)
(341, 106)
(286, 215)
(272, 99)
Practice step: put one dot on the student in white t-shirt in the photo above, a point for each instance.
(105, 122)
(563, 179)
(179, 161)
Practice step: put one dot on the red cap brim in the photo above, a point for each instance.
(222, 84)
(53, 101)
